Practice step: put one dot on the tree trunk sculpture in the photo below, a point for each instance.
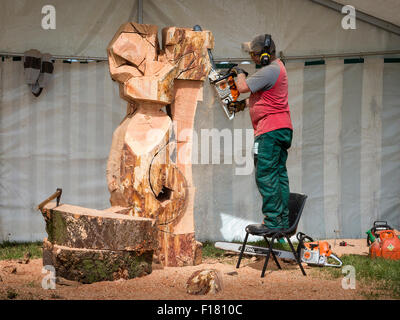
(149, 166)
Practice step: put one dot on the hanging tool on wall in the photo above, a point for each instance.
(314, 253)
(223, 83)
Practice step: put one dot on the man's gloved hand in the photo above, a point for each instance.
(236, 106)
(237, 71)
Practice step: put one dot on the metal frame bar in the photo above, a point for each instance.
(362, 16)
(57, 57)
(140, 11)
(218, 60)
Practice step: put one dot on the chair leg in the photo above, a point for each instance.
(241, 252)
(273, 254)
(296, 255)
(267, 257)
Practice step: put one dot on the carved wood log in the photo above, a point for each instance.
(143, 172)
(203, 282)
(78, 227)
(88, 265)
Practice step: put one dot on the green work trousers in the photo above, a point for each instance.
(271, 176)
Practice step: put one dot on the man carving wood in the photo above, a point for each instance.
(270, 116)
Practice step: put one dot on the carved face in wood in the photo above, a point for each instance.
(146, 72)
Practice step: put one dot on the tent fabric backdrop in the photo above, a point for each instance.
(345, 154)
(60, 139)
(299, 27)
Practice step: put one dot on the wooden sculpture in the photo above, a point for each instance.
(149, 166)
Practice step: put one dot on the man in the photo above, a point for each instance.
(270, 116)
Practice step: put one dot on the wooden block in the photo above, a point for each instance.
(88, 265)
(188, 50)
(157, 88)
(140, 173)
(186, 223)
(203, 282)
(130, 48)
(178, 250)
(79, 227)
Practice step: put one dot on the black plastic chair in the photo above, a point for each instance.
(296, 205)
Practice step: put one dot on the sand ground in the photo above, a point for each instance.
(169, 283)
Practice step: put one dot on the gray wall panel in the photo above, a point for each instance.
(390, 174)
(313, 220)
(351, 151)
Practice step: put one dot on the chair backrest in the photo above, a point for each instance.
(296, 206)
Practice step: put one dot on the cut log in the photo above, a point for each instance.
(88, 266)
(179, 249)
(188, 50)
(78, 227)
(204, 281)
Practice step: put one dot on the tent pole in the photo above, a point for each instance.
(286, 58)
(140, 11)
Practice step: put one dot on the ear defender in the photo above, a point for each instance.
(265, 54)
(264, 58)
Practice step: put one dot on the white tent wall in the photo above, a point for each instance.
(345, 154)
(346, 150)
(60, 139)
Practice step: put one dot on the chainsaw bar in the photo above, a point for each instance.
(313, 258)
(253, 250)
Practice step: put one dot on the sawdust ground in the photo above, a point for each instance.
(169, 283)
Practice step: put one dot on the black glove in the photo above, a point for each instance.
(236, 106)
(237, 71)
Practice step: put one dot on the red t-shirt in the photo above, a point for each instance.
(269, 108)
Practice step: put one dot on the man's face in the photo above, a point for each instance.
(255, 57)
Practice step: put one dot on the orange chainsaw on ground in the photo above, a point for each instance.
(315, 253)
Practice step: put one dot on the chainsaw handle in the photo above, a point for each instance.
(379, 224)
(302, 236)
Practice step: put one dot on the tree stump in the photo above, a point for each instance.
(89, 265)
(89, 245)
(78, 227)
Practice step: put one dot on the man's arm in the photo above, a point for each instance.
(241, 83)
(263, 79)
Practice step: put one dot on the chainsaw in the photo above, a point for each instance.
(223, 83)
(314, 253)
(225, 87)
